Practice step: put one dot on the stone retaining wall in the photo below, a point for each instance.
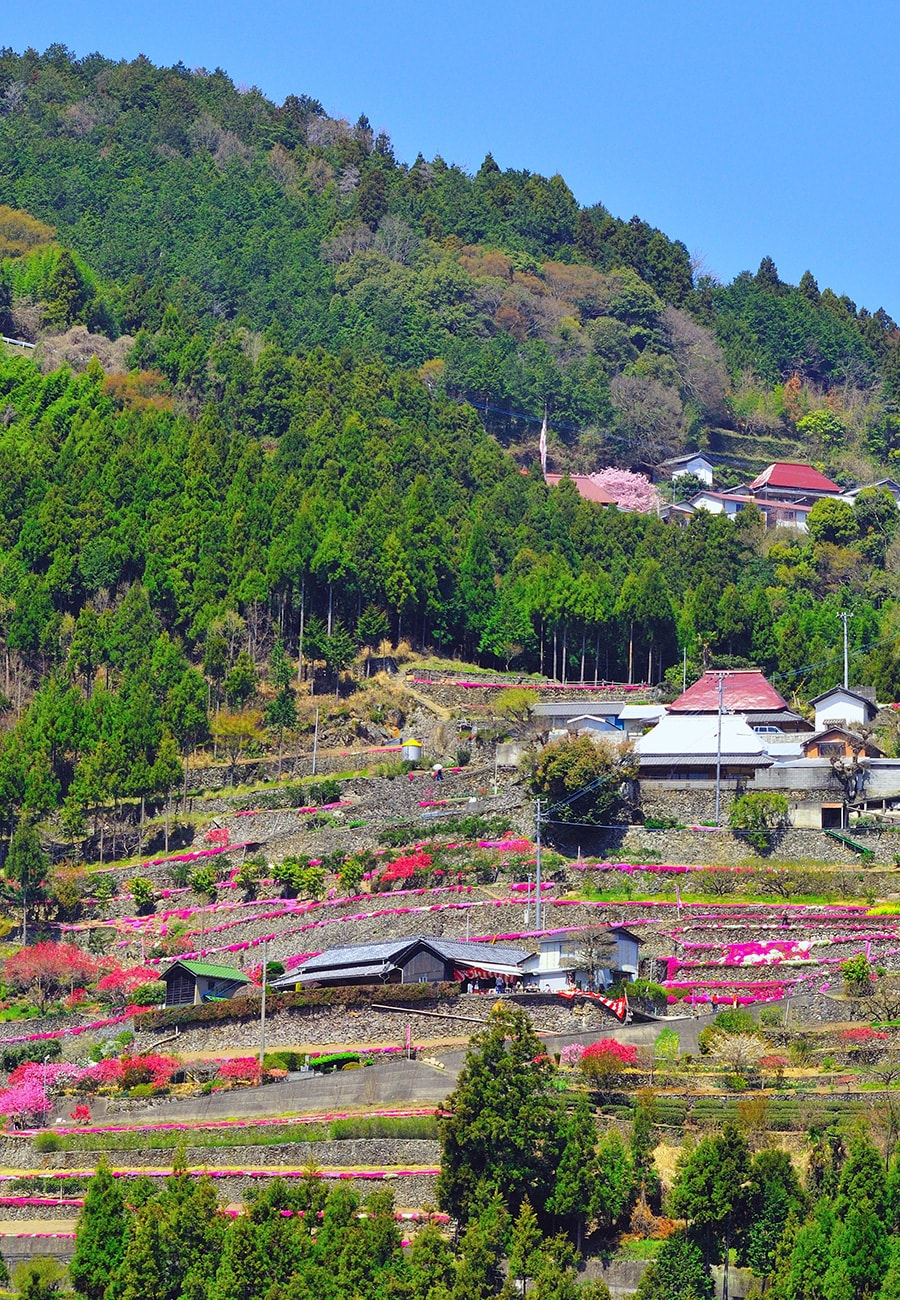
(722, 846)
(326, 1025)
(354, 1153)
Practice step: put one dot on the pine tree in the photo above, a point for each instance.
(503, 1131)
(677, 1272)
(525, 1245)
(577, 1171)
(430, 1263)
(100, 1236)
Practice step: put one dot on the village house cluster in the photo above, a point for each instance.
(784, 493)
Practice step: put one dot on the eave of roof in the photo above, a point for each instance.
(208, 970)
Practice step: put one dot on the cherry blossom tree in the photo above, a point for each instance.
(630, 491)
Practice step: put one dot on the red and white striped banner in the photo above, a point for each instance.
(618, 1006)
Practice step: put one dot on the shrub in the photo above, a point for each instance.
(203, 881)
(240, 1069)
(104, 888)
(11, 1057)
(758, 814)
(603, 1062)
(333, 1061)
(647, 995)
(46, 1143)
(736, 1021)
(858, 976)
(151, 994)
(405, 868)
(143, 893)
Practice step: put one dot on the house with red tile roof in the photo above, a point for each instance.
(587, 488)
(744, 690)
(788, 480)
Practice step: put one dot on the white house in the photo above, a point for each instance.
(889, 484)
(559, 962)
(638, 718)
(694, 462)
(845, 707)
(721, 503)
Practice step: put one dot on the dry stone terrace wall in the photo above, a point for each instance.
(316, 1026)
(353, 1153)
(481, 698)
(706, 845)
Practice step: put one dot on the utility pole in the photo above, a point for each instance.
(262, 1011)
(719, 748)
(537, 869)
(844, 616)
(315, 743)
(684, 672)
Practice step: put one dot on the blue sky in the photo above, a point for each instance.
(744, 128)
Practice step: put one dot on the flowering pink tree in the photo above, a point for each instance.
(27, 1104)
(570, 1056)
(629, 491)
(46, 969)
(240, 1069)
(117, 986)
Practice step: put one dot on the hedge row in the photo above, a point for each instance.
(248, 1008)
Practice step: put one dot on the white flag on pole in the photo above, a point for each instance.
(544, 443)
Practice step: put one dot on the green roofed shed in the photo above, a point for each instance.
(199, 981)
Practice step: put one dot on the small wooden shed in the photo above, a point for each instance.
(199, 981)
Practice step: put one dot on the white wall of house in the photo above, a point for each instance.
(837, 704)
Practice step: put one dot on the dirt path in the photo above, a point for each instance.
(36, 1227)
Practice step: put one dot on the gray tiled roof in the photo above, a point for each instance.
(386, 954)
(578, 708)
(464, 950)
(365, 954)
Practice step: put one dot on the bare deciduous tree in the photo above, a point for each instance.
(396, 240)
(652, 415)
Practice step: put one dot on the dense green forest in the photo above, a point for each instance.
(322, 375)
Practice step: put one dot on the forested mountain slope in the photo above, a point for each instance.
(317, 362)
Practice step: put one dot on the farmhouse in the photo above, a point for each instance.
(789, 481)
(843, 707)
(582, 960)
(423, 959)
(585, 485)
